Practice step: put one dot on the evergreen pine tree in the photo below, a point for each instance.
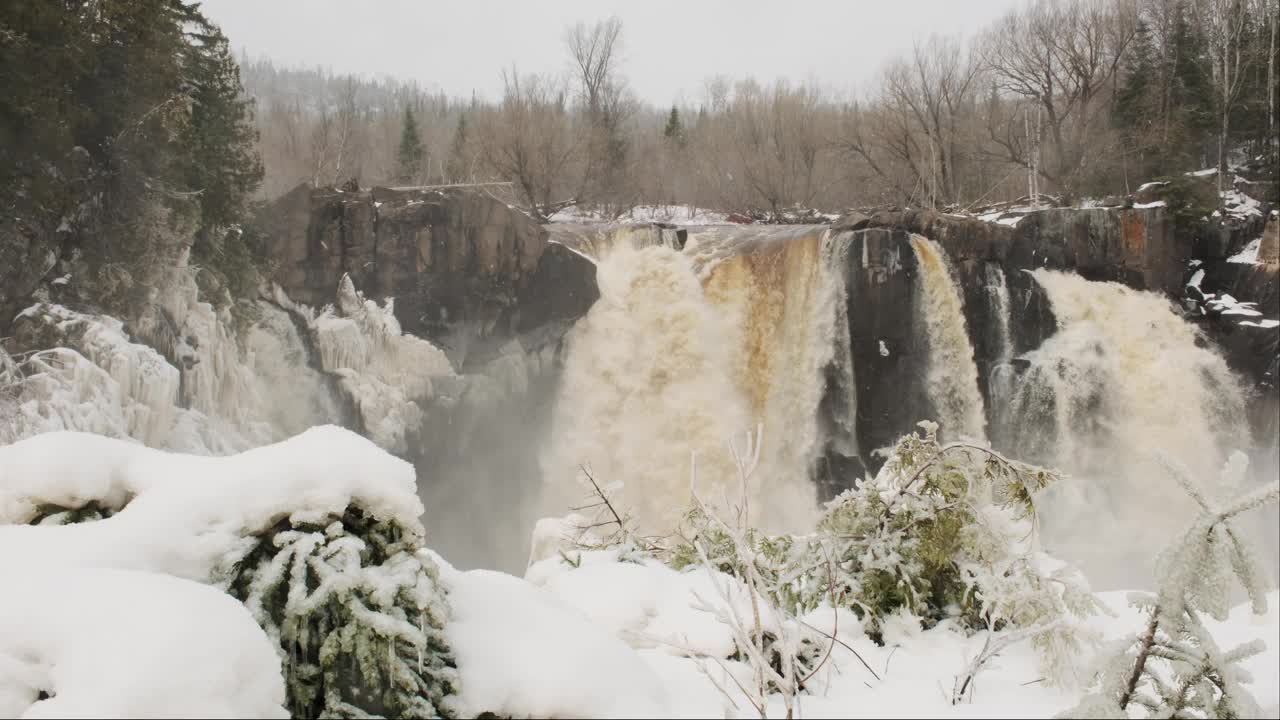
(409, 157)
(1191, 98)
(674, 130)
(457, 168)
(1132, 110)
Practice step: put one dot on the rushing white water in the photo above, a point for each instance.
(1001, 378)
(646, 383)
(952, 380)
(843, 437)
(1123, 379)
(998, 309)
(685, 350)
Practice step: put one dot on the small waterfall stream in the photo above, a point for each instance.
(952, 374)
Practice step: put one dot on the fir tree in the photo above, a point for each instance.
(1132, 110)
(1191, 104)
(457, 168)
(410, 155)
(1174, 667)
(674, 131)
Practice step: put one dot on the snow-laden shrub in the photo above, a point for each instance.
(318, 536)
(944, 532)
(1174, 668)
(357, 613)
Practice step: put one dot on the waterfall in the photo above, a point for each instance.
(595, 242)
(998, 309)
(842, 382)
(1122, 379)
(684, 350)
(1001, 376)
(952, 377)
(647, 380)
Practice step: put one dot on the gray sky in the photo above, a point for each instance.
(671, 46)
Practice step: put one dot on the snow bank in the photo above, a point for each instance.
(522, 653)
(185, 515)
(1249, 253)
(645, 603)
(111, 643)
(1228, 305)
(674, 214)
(654, 610)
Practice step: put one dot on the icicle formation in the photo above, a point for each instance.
(1123, 378)
(953, 376)
(383, 370)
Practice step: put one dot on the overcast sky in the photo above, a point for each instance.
(670, 47)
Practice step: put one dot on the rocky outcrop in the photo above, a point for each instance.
(467, 271)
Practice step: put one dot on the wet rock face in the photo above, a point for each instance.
(467, 272)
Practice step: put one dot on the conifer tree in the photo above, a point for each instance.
(409, 157)
(674, 130)
(458, 168)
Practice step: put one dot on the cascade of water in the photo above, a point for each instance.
(646, 382)
(952, 379)
(685, 349)
(843, 438)
(596, 242)
(998, 309)
(1001, 376)
(1124, 378)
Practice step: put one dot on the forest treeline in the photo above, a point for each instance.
(1069, 97)
(133, 141)
(126, 141)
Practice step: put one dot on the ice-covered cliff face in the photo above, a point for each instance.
(211, 390)
(222, 395)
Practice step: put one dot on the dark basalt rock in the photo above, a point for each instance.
(467, 272)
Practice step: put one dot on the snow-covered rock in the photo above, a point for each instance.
(183, 515)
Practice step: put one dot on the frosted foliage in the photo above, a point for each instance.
(383, 370)
(644, 385)
(1175, 666)
(318, 535)
(1123, 371)
(114, 643)
(952, 380)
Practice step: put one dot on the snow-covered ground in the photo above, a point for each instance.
(110, 616)
(641, 623)
(675, 214)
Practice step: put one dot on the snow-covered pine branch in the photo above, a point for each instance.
(1174, 667)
